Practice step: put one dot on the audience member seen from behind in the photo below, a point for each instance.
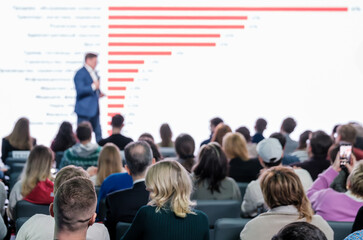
(213, 124)
(83, 154)
(241, 168)
(318, 146)
(116, 138)
(166, 136)
(251, 147)
(287, 127)
(269, 154)
(74, 209)
(64, 139)
(146, 135)
(185, 147)
(347, 134)
(210, 176)
(333, 205)
(169, 214)
(109, 162)
(35, 183)
(285, 196)
(260, 127)
(286, 159)
(220, 131)
(300, 231)
(34, 228)
(123, 205)
(302, 152)
(154, 148)
(19, 139)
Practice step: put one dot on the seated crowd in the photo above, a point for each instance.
(293, 187)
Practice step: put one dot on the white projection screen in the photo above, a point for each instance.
(183, 63)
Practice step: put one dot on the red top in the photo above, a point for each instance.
(42, 193)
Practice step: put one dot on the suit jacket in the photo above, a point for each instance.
(86, 99)
(123, 205)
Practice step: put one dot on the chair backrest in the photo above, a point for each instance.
(341, 229)
(27, 209)
(102, 210)
(242, 187)
(121, 228)
(167, 152)
(19, 222)
(229, 228)
(58, 158)
(216, 209)
(20, 154)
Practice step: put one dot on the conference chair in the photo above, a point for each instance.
(27, 209)
(102, 210)
(229, 228)
(19, 222)
(58, 158)
(121, 229)
(341, 229)
(242, 187)
(167, 152)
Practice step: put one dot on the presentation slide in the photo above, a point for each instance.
(183, 63)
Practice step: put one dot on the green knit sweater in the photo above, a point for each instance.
(165, 225)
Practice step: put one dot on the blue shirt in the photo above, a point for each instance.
(114, 182)
(355, 235)
(258, 137)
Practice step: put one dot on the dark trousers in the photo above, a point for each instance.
(95, 122)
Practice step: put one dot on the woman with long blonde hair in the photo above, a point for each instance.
(169, 214)
(241, 168)
(109, 162)
(18, 139)
(284, 195)
(35, 184)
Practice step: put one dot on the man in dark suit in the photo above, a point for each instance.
(123, 205)
(88, 91)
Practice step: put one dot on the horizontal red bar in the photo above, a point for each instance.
(116, 88)
(179, 17)
(123, 70)
(115, 105)
(120, 79)
(150, 44)
(112, 114)
(125, 62)
(152, 35)
(139, 53)
(327, 9)
(116, 97)
(109, 132)
(181, 26)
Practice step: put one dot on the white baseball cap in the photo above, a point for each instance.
(270, 150)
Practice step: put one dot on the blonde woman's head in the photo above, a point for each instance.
(170, 186)
(355, 180)
(109, 162)
(37, 168)
(235, 145)
(281, 187)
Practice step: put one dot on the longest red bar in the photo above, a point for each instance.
(313, 9)
(139, 53)
(178, 17)
(180, 26)
(156, 35)
(140, 44)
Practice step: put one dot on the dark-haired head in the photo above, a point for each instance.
(303, 138)
(260, 125)
(185, 147)
(245, 132)
(84, 131)
(117, 121)
(320, 143)
(288, 125)
(166, 135)
(280, 137)
(300, 231)
(65, 137)
(214, 123)
(212, 166)
(146, 135)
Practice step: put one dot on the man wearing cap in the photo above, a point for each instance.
(270, 154)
